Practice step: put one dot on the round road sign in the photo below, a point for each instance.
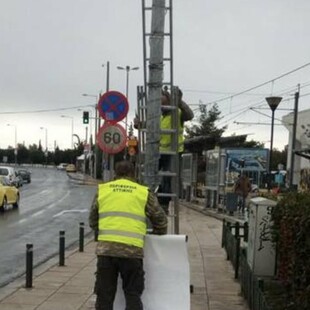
(111, 138)
(113, 106)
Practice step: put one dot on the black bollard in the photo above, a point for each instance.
(237, 230)
(29, 265)
(188, 193)
(81, 243)
(223, 233)
(246, 231)
(62, 248)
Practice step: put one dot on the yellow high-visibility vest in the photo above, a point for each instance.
(121, 205)
(165, 139)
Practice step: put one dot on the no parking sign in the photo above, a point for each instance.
(113, 106)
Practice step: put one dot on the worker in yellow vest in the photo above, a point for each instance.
(185, 114)
(119, 213)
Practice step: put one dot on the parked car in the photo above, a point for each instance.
(11, 174)
(71, 168)
(25, 175)
(9, 194)
(62, 166)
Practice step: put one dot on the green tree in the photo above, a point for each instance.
(205, 124)
(278, 157)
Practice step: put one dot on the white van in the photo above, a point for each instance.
(10, 174)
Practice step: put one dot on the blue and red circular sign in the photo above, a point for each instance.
(113, 106)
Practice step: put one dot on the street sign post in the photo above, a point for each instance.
(113, 106)
(111, 138)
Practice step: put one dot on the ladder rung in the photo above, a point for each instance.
(142, 107)
(148, 8)
(164, 59)
(168, 131)
(168, 107)
(172, 153)
(166, 195)
(163, 131)
(168, 153)
(166, 34)
(167, 174)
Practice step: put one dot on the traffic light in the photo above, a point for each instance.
(85, 117)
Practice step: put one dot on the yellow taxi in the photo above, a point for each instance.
(9, 194)
(71, 168)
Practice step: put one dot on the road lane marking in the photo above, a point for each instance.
(37, 213)
(70, 211)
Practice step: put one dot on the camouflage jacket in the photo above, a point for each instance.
(154, 213)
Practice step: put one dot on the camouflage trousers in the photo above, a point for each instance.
(132, 274)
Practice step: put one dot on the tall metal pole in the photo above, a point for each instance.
(293, 145)
(271, 140)
(96, 145)
(72, 125)
(128, 69)
(15, 142)
(15, 151)
(273, 103)
(154, 93)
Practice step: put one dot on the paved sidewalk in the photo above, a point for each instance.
(70, 287)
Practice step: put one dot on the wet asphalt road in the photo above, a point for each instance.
(48, 204)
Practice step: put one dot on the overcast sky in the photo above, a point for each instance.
(52, 51)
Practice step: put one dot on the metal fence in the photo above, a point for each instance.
(252, 287)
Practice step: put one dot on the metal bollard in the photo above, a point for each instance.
(29, 265)
(188, 193)
(246, 231)
(62, 248)
(223, 233)
(237, 230)
(237, 249)
(81, 239)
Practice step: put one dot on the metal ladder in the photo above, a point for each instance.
(143, 105)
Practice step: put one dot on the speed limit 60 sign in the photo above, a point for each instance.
(111, 138)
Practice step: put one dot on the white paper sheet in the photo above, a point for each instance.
(167, 275)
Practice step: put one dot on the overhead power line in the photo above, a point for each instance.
(46, 110)
(260, 85)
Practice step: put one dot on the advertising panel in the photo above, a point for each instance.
(252, 162)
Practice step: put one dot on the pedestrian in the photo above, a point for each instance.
(185, 114)
(119, 213)
(242, 188)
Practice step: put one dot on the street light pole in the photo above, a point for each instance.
(46, 150)
(15, 138)
(45, 137)
(127, 69)
(72, 127)
(293, 143)
(273, 103)
(96, 130)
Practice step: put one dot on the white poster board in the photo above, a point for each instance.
(167, 274)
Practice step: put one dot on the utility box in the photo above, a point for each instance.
(261, 254)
